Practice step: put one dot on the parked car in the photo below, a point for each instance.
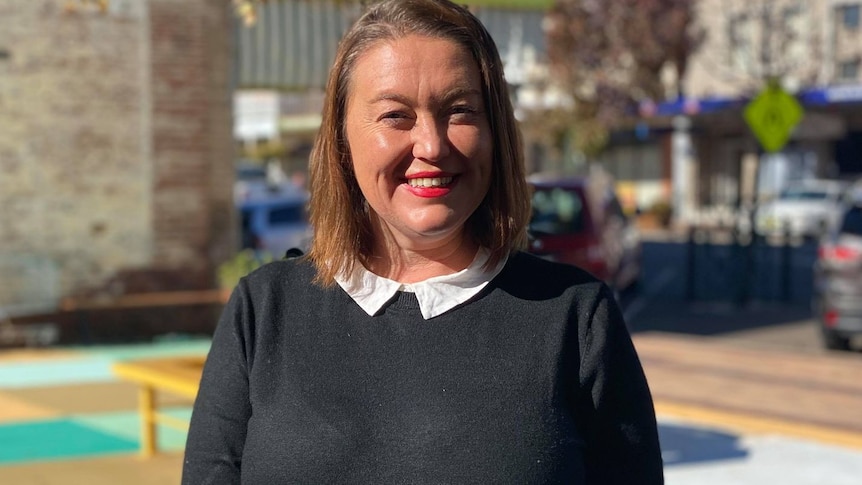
(838, 277)
(805, 208)
(248, 178)
(579, 220)
(275, 221)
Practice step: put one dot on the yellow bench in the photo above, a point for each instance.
(177, 375)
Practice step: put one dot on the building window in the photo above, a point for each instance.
(849, 70)
(850, 16)
(740, 35)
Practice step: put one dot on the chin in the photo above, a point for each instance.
(431, 224)
(435, 231)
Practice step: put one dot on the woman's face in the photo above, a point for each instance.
(419, 138)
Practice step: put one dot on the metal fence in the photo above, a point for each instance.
(726, 263)
(29, 284)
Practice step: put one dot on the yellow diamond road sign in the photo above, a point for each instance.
(772, 115)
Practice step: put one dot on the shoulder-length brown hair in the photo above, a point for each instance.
(338, 212)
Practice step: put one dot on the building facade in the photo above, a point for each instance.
(813, 49)
(115, 148)
(697, 152)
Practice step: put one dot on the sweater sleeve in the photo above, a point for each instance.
(622, 445)
(221, 411)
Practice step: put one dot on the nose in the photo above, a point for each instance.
(430, 139)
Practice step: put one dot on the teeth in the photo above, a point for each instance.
(429, 182)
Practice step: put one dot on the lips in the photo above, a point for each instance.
(430, 185)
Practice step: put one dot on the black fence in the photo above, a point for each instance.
(726, 263)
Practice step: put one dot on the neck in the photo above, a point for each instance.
(413, 263)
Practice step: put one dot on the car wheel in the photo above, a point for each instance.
(833, 341)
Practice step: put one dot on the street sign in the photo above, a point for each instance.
(772, 115)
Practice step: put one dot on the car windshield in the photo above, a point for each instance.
(852, 223)
(557, 211)
(803, 194)
(248, 173)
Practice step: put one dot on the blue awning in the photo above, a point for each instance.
(688, 106)
(850, 93)
(812, 97)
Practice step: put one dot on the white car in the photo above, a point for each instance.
(804, 208)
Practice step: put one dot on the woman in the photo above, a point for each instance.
(415, 343)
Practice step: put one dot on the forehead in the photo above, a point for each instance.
(416, 58)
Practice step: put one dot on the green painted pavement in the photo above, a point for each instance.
(57, 439)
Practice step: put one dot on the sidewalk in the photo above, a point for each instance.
(696, 454)
(64, 417)
(746, 395)
(756, 391)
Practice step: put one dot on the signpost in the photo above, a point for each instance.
(772, 115)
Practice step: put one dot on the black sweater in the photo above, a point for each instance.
(535, 380)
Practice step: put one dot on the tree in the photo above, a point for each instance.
(610, 55)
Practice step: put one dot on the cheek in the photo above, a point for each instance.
(373, 165)
(375, 150)
(472, 142)
(362, 150)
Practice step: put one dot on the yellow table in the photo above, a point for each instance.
(177, 375)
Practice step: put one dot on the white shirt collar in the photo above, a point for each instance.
(436, 295)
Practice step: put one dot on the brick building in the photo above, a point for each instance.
(115, 147)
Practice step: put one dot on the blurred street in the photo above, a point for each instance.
(746, 393)
(154, 152)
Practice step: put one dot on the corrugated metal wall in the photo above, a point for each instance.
(293, 43)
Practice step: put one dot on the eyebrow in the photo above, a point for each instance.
(458, 92)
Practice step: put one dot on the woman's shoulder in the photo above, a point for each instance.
(528, 271)
(282, 272)
(530, 265)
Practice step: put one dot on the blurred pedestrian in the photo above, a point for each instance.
(415, 342)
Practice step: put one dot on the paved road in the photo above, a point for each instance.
(760, 390)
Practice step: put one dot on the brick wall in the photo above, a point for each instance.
(115, 146)
(192, 206)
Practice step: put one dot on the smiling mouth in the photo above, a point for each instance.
(430, 182)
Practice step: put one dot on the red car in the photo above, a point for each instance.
(578, 220)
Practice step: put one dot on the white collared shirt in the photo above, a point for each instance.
(436, 295)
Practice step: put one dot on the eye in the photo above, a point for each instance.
(463, 114)
(393, 115)
(396, 119)
(462, 109)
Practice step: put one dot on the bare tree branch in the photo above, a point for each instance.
(609, 55)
